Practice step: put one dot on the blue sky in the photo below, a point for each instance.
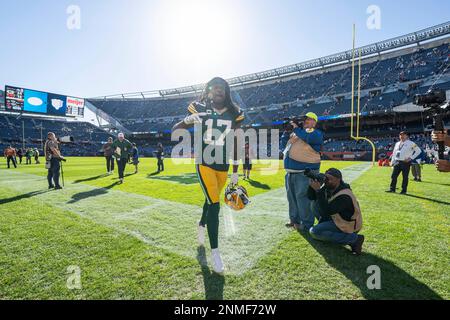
(140, 45)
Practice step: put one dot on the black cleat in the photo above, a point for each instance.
(51, 187)
(357, 246)
(58, 188)
(390, 191)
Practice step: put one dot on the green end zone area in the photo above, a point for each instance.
(138, 240)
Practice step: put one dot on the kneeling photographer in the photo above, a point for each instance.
(340, 215)
(53, 158)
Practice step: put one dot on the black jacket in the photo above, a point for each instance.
(342, 205)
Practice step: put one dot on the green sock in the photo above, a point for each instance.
(213, 225)
(205, 213)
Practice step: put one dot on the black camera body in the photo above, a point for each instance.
(319, 177)
(288, 126)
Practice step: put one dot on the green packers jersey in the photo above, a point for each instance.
(216, 129)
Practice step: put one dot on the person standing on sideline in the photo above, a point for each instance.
(122, 148)
(416, 166)
(405, 151)
(248, 155)
(28, 155)
(10, 155)
(52, 159)
(302, 147)
(160, 157)
(135, 157)
(20, 155)
(108, 153)
(36, 155)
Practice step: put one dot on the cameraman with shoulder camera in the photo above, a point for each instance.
(53, 158)
(340, 215)
(442, 136)
(302, 144)
(436, 101)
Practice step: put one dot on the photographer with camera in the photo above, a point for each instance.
(302, 145)
(340, 215)
(442, 137)
(53, 158)
(436, 101)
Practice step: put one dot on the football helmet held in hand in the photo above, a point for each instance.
(236, 197)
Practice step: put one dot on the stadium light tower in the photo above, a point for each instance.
(358, 112)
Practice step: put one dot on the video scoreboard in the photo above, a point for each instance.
(26, 100)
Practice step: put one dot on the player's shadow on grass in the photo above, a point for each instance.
(396, 284)
(153, 174)
(22, 197)
(435, 183)
(428, 199)
(90, 194)
(213, 282)
(91, 178)
(258, 185)
(125, 175)
(185, 179)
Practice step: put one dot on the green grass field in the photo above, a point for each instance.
(138, 240)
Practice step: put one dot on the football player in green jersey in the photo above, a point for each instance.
(218, 117)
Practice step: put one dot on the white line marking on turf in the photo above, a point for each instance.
(246, 236)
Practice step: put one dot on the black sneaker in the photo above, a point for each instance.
(390, 191)
(357, 246)
(403, 192)
(58, 188)
(51, 187)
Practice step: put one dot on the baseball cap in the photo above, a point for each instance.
(313, 116)
(335, 173)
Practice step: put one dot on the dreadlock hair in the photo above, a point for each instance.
(228, 103)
